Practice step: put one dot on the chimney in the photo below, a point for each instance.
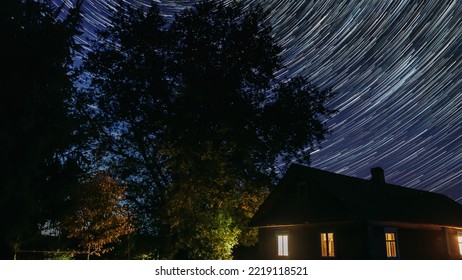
(378, 175)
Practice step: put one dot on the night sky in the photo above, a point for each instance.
(397, 68)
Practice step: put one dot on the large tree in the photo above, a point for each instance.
(193, 117)
(35, 128)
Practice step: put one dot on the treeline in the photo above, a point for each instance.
(161, 143)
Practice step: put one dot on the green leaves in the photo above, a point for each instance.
(191, 116)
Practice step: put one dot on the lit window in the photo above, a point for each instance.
(390, 241)
(283, 245)
(459, 239)
(327, 244)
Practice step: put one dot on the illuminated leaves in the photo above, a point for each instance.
(100, 218)
(192, 116)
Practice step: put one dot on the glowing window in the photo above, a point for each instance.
(327, 244)
(459, 239)
(283, 245)
(390, 241)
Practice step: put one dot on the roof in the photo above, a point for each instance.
(307, 195)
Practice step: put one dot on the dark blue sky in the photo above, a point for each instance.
(397, 68)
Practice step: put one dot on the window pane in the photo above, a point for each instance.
(389, 236)
(327, 245)
(323, 245)
(283, 248)
(331, 245)
(390, 242)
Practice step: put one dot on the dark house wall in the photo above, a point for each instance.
(305, 241)
(358, 241)
(376, 243)
(417, 244)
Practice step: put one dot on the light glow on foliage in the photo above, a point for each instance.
(100, 218)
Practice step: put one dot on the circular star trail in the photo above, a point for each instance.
(396, 67)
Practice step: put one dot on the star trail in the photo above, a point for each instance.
(397, 68)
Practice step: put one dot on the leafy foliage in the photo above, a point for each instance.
(100, 218)
(191, 116)
(60, 256)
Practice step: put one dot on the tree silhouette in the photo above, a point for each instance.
(35, 129)
(193, 118)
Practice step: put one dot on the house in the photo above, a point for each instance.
(315, 214)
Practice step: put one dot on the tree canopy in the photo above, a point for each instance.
(36, 130)
(193, 117)
(99, 218)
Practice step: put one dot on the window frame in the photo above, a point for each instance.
(391, 245)
(282, 238)
(459, 241)
(327, 244)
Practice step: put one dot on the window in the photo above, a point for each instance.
(390, 241)
(459, 239)
(327, 244)
(283, 244)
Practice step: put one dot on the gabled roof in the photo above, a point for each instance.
(307, 195)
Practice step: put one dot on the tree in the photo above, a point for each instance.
(100, 218)
(194, 120)
(36, 131)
